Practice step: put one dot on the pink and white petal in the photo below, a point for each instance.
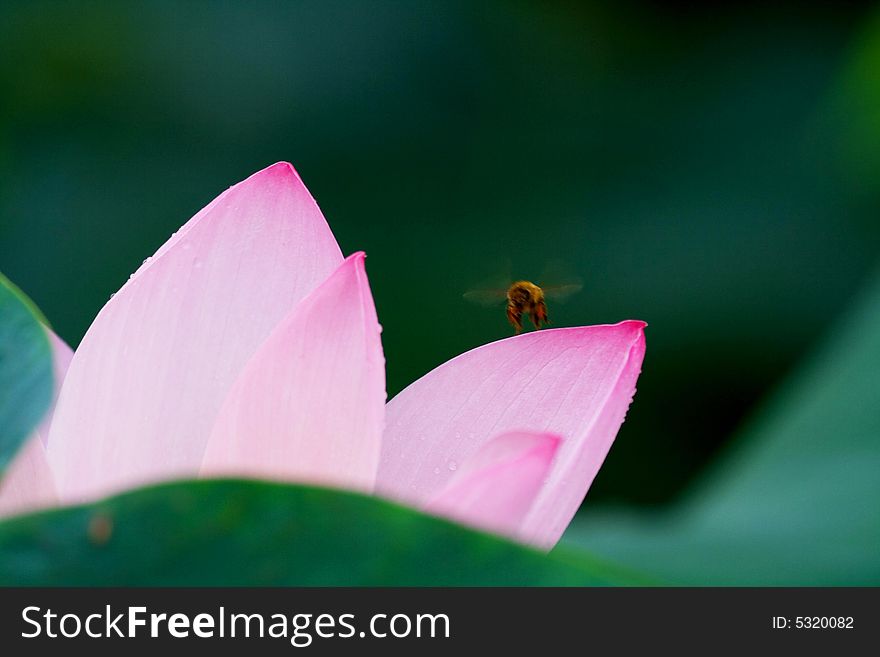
(28, 484)
(61, 357)
(497, 486)
(573, 382)
(145, 384)
(310, 404)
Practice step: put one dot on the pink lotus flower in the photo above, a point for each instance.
(247, 346)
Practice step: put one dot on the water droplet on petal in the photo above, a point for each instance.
(436, 470)
(453, 466)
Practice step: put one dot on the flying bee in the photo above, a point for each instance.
(524, 298)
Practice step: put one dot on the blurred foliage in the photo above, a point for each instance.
(25, 370)
(233, 533)
(796, 503)
(694, 164)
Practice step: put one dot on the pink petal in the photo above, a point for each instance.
(310, 404)
(61, 357)
(147, 380)
(28, 483)
(497, 486)
(573, 382)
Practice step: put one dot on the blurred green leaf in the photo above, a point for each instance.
(798, 502)
(25, 369)
(852, 108)
(256, 533)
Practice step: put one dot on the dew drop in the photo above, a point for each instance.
(436, 470)
(453, 466)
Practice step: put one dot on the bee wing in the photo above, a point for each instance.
(563, 292)
(491, 290)
(488, 297)
(560, 280)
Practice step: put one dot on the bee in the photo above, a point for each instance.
(523, 298)
(526, 298)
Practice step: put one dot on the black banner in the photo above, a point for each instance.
(434, 621)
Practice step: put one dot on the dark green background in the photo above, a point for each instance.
(710, 169)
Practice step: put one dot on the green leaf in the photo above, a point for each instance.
(25, 369)
(798, 500)
(229, 532)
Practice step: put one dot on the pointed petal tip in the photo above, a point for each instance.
(497, 487)
(576, 334)
(353, 267)
(280, 172)
(547, 442)
(512, 445)
(628, 330)
(310, 404)
(281, 165)
(544, 443)
(637, 350)
(635, 324)
(195, 311)
(637, 327)
(634, 327)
